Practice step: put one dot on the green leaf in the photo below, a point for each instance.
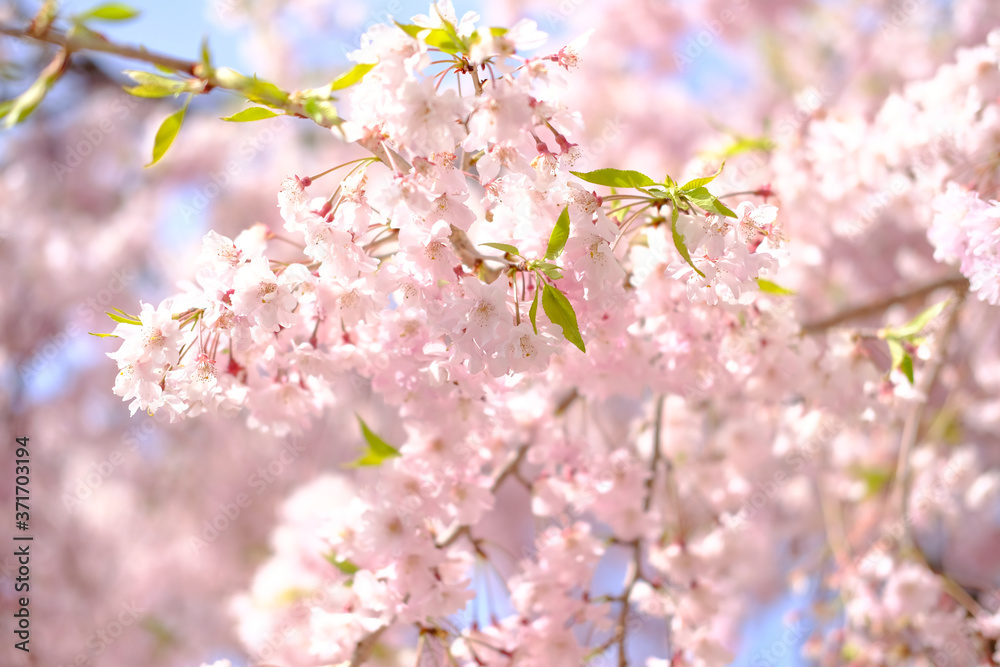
(345, 566)
(616, 178)
(560, 311)
(704, 180)
(264, 92)
(102, 335)
(746, 145)
(206, 54)
(557, 239)
(906, 366)
(5, 107)
(251, 114)
(351, 76)
(901, 359)
(875, 479)
(551, 270)
(410, 29)
(109, 11)
(440, 39)
(19, 108)
(920, 322)
(154, 85)
(436, 37)
(167, 133)
(378, 449)
(773, 288)
(256, 90)
(533, 311)
(506, 247)
(450, 30)
(706, 200)
(679, 241)
(124, 320)
(321, 112)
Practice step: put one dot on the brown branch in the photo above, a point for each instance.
(202, 72)
(879, 306)
(88, 43)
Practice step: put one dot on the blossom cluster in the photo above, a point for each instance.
(967, 230)
(383, 281)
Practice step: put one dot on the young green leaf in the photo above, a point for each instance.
(773, 288)
(747, 144)
(704, 180)
(548, 268)
(706, 200)
(505, 247)
(102, 335)
(560, 311)
(21, 106)
(679, 241)
(435, 37)
(557, 240)
(616, 178)
(123, 320)
(450, 30)
(351, 76)
(251, 114)
(906, 366)
(154, 85)
(109, 11)
(901, 359)
(321, 112)
(167, 133)
(344, 565)
(378, 450)
(920, 322)
(206, 54)
(533, 311)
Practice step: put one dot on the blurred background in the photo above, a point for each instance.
(117, 502)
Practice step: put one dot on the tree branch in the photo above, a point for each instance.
(86, 43)
(874, 308)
